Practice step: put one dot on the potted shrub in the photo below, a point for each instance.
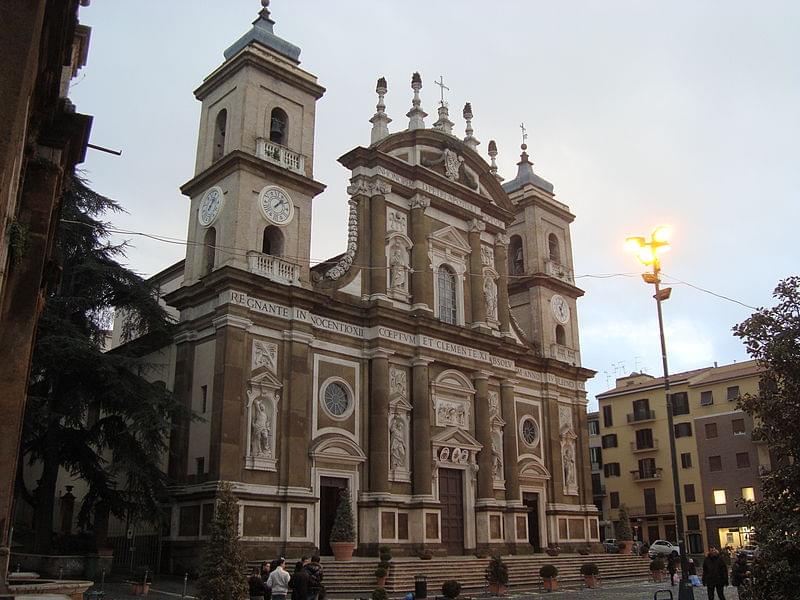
(590, 572)
(497, 575)
(624, 531)
(657, 569)
(451, 589)
(585, 551)
(385, 554)
(549, 575)
(379, 594)
(380, 575)
(553, 550)
(140, 586)
(343, 533)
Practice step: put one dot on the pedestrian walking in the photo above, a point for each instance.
(255, 585)
(278, 582)
(672, 568)
(715, 574)
(298, 583)
(315, 574)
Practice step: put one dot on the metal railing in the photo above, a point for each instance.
(280, 155)
(641, 415)
(274, 268)
(636, 448)
(653, 509)
(647, 475)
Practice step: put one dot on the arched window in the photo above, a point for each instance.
(552, 243)
(516, 258)
(279, 127)
(561, 336)
(220, 126)
(446, 282)
(272, 242)
(209, 251)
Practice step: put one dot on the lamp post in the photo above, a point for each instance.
(647, 252)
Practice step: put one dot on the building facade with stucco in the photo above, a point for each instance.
(432, 370)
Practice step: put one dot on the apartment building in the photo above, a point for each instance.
(599, 494)
(718, 462)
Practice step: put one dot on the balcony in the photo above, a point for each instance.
(599, 491)
(641, 415)
(651, 448)
(649, 475)
(651, 509)
(596, 466)
(274, 268)
(281, 156)
(559, 271)
(564, 354)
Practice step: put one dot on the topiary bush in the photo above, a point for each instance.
(657, 564)
(451, 589)
(548, 572)
(623, 526)
(344, 529)
(496, 571)
(590, 569)
(379, 594)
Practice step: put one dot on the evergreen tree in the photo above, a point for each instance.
(772, 337)
(344, 529)
(223, 572)
(93, 412)
(623, 527)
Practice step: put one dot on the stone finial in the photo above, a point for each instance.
(444, 124)
(493, 157)
(470, 140)
(416, 116)
(264, 9)
(380, 120)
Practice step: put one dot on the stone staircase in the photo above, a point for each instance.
(357, 577)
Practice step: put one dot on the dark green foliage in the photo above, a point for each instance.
(344, 529)
(96, 413)
(548, 572)
(379, 594)
(657, 564)
(381, 572)
(496, 571)
(385, 554)
(590, 569)
(224, 564)
(623, 526)
(772, 337)
(451, 589)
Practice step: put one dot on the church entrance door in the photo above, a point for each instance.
(329, 490)
(532, 502)
(451, 495)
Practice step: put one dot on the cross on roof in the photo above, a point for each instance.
(524, 132)
(443, 87)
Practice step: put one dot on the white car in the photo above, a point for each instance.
(663, 548)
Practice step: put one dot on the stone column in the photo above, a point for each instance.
(510, 467)
(377, 237)
(294, 465)
(182, 389)
(483, 435)
(422, 466)
(379, 421)
(476, 274)
(501, 266)
(230, 362)
(421, 276)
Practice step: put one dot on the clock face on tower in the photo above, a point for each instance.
(276, 205)
(210, 206)
(560, 308)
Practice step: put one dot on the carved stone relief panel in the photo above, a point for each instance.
(396, 221)
(452, 413)
(399, 425)
(265, 354)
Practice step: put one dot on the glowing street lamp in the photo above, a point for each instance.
(648, 252)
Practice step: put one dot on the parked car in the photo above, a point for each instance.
(663, 548)
(610, 546)
(749, 551)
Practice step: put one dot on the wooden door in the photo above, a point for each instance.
(329, 490)
(531, 501)
(451, 495)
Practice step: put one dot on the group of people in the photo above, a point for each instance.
(715, 573)
(273, 582)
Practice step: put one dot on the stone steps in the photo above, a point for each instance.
(358, 576)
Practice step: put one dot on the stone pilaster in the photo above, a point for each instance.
(379, 421)
(483, 435)
(377, 240)
(421, 276)
(182, 389)
(293, 465)
(501, 266)
(421, 426)
(510, 467)
(478, 302)
(230, 362)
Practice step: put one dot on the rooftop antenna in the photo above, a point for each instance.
(637, 362)
(524, 135)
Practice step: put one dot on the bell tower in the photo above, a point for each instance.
(542, 291)
(254, 181)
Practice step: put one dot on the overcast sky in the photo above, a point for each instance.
(640, 113)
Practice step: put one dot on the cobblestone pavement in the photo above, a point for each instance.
(172, 589)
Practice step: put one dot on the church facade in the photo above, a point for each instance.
(432, 371)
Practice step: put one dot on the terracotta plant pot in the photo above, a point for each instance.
(551, 584)
(140, 589)
(343, 550)
(497, 588)
(590, 581)
(625, 547)
(381, 582)
(658, 576)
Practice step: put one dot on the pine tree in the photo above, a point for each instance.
(623, 528)
(772, 337)
(91, 412)
(223, 572)
(343, 529)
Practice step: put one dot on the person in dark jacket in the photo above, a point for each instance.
(672, 568)
(315, 573)
(256, 585)
(298, 584)
(715, 574)
(740, 570)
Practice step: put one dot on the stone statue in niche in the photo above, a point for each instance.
(260, 428)
(397, 444)
(497, 462)
(570, 478)
(519, 262)
(397, 269)
(490, 295)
